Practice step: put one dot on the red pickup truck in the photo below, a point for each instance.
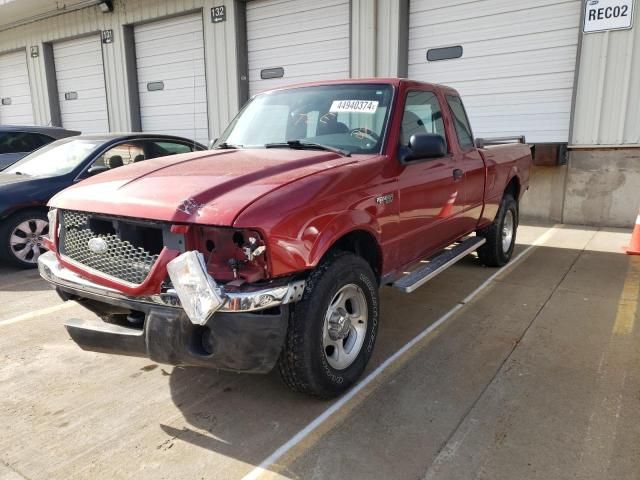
(270, 249)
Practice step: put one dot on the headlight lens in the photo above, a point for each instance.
(198, 292)
(53, 223)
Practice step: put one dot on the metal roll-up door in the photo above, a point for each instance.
(15, 92)
(293, 41)
(81, 87)
(171, 77)
(516, 72)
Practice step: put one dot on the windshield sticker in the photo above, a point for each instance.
(355, 106)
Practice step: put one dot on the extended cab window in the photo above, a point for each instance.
(422, 114)
(461, 122)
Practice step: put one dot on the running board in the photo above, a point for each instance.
(438, 264)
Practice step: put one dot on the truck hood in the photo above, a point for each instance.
(209, 188)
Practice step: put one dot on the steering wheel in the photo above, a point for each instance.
(361, 131)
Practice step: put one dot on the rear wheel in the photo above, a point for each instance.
(500, 235)
(333, 328)
(21, 237)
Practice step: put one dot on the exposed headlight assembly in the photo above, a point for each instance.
(52, 216)
(198, 292)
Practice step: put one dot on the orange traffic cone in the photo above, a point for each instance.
(447, 210)
(634, 246)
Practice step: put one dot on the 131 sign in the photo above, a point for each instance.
(604, 15)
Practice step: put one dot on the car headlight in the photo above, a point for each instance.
(52, 216)
(197, 290)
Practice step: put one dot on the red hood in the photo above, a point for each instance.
(213, 186)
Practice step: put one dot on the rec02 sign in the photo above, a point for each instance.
(605, 15)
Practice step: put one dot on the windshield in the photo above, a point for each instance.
(57, 158)
(350, 117)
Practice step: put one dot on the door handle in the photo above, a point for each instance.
(458, 174)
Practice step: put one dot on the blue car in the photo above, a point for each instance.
(27, 185)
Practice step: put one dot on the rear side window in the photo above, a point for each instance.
(22, 142)
(171, 147)
(461, 122)
(422, 114)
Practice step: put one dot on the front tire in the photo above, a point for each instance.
(21, 238)
(332, 330)
(500, 235)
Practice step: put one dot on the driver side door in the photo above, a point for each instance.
(429, 189)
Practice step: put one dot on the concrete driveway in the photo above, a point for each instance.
(530, 372)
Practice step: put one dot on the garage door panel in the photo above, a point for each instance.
(308, 39)
(518, 60)
(184, 44)
(299, 24)
(79, 69)
(171, 51)
(268, 9)
(177, 97)
(179, 26)
(487, 10)
(14, 85)
(500, 26)
(520, 64)
(183, 69)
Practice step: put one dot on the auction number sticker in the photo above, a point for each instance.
(354, 106)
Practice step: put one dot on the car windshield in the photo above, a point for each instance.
(57, 158)
(349, 117)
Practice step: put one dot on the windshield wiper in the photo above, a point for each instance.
(297, 144)
(226, 146)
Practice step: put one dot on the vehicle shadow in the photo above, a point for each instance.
(248, 417)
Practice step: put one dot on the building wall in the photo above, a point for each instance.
(607, 109)
(600, 185)
(220, 55)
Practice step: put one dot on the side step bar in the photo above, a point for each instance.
(438, 264)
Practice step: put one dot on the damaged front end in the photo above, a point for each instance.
(213, 305)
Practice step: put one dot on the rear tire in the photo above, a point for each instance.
(500, 235)
(21, 238)
(332, 330)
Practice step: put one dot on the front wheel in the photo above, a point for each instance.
(333, 328)
(22, 236)
(500, 235)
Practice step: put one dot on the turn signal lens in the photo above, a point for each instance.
(198, 292)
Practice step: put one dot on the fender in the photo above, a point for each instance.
(287, 254)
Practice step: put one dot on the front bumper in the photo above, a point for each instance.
(237, 337)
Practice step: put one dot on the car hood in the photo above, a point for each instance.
(209, 188)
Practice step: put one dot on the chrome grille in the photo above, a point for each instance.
(121, 260)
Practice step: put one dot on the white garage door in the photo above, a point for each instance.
(171, 77)
(81, 90)
(517, 68)
(15, 94)
(295, 41)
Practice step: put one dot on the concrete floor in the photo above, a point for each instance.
(536, 376)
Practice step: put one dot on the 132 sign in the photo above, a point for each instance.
(604, 15)
(219, 14)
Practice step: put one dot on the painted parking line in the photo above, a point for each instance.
(37, 313)
(345, 401)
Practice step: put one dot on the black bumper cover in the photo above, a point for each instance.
(246, 342)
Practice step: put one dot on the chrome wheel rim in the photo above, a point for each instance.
(25, 241)
(507, 231)
(345, 326)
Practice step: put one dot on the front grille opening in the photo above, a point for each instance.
(147, 238)
(101, 227)
(129, 251)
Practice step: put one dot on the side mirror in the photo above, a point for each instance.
(424, 146)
